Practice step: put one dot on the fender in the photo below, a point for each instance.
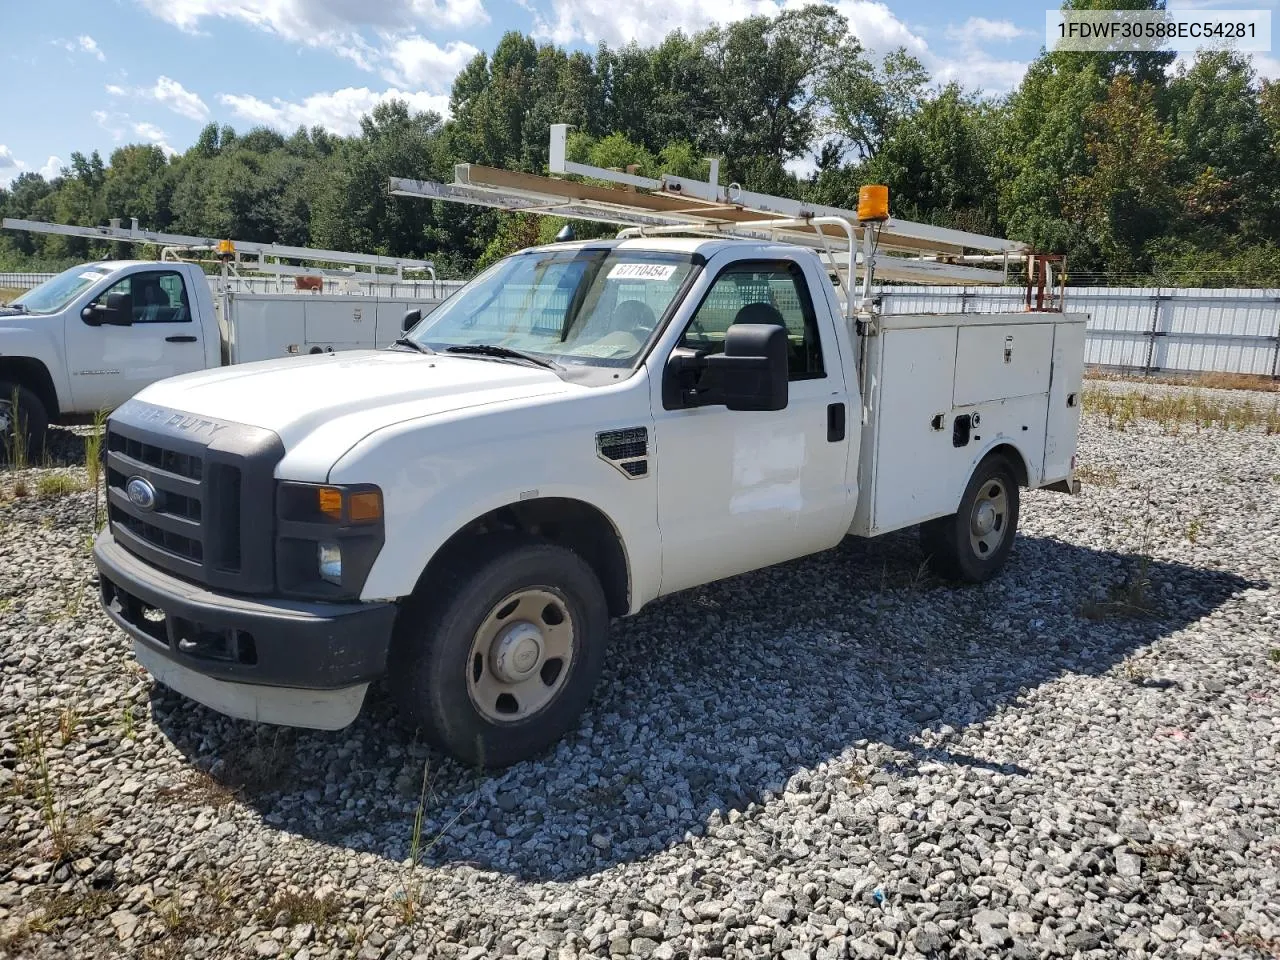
(38, 342)
(1025, 469)
(441, 473)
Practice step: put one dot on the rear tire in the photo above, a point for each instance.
(973, 543)
(30, 416)
(496, 659)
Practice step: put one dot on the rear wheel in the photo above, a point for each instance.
(498, 662)
(973, 543)
(24, 422)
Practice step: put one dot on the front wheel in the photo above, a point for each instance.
(498, 662)
(974, 542)
(23, 424)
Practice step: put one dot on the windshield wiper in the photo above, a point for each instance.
(15, 307)
(493, 350)
(406, 342)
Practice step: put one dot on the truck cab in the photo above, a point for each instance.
(582, 429)
(92, 336)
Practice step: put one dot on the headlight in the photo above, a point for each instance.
(328, 536)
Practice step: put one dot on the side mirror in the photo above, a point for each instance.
(116, 312)
(119, 311)
(411, 318)
(751, 373)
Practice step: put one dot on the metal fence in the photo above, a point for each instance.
(1146, 329)
(24, 281)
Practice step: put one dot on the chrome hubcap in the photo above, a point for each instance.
(520, 656)
(989, 520)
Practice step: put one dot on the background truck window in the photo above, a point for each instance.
(158, 296)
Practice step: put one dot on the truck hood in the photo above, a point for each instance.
(346, 396)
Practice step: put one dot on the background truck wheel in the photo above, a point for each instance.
(973, 543)
(30, 416)
(499, 657)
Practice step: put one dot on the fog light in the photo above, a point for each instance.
(330, 557)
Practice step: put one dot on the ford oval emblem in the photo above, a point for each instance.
(141, 493)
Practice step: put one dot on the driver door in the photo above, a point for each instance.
(109, 364)
(738, 490)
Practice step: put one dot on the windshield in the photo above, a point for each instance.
(56, 292)
(582, 307)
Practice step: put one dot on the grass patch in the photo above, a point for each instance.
(200, 789)
(93, 463)
(291, 908)
(67, 836)
(13, 443)
(8, 294)
(1205, 381)
(51, 486)
(1097, 476)
(1176, 411)
(84, 905)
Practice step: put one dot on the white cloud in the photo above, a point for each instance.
(980, 28)
(10, 166)
(150, 133)
(338, 111)
(416, 61)
(180, 100)
(338, 26)
(52, 167)
(644, 21)
(168, 93)
(83, 44)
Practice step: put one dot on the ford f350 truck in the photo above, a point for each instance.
(583, 428)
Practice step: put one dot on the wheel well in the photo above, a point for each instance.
(569, 523)
(1011, 454)
(33, 375)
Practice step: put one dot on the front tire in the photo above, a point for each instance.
(973, 543)
(22, 417)
(498, 661)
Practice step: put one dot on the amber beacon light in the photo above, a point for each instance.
(873, 203)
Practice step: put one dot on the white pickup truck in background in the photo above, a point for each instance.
(96, 334)
(583, 428)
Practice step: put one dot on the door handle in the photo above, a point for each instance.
(835, 422)
(185, 338)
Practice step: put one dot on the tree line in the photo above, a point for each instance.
(1135, 169)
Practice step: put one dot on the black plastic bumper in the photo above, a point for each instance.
(282, 643)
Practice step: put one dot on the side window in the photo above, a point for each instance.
(156, 296)
(760, 293)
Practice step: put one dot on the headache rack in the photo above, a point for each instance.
(854, 249)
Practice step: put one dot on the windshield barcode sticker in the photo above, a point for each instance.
(642, 271)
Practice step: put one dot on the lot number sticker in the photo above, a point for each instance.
(642, 271)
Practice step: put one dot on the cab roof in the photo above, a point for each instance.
(706, 246)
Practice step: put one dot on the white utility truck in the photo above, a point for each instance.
(583, 428)
(93, 336)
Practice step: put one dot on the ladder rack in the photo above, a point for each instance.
(897, 250)
(172, 242)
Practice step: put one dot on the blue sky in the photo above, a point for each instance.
(95, 74)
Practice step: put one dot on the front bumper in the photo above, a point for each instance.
(280, 661)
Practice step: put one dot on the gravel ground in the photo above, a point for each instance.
(836, 757)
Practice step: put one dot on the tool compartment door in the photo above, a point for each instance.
(916, 468)
(1002, 361)
(1062, 427)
